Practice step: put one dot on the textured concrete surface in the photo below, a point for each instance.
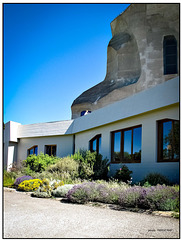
(26, 217)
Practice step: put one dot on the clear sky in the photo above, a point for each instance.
(52, 53)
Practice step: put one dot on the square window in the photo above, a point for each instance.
(50, 150)
(126, 145)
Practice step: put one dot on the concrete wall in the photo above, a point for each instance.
(64, 145)
(10, 144)
(134, 55)
(149, 143)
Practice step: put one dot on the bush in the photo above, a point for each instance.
(123, 174)
(100, 168)
(86, 160)
(93, 191)
(8, 179)
(162, 198)
(46, 187)
(79, 193)
(39, 163)
(21, 179)
(133, 197)
(40, 194)
(154, 179)
(155, 198)
(66, 168)
(91, 165)
(30, 185)
(62, 190)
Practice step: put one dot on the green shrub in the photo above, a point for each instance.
(8, 179)
(91, 165)
(41, 194)
(38, 163)
(46, 187)
(123, 174)
(101, 168)
(113, 183)
(154, 179)
(86, 160)
(66, 168)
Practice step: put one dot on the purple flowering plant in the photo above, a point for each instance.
(158, 197)
(21, 179)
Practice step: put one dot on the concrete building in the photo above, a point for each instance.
(132, 116)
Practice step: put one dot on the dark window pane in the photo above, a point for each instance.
(171, 50)
(94, 145)
(170, 40)
(117, 142)
(137, 143)
(170, 60)
(36, 150)
(82, 113)
(99, 145)
(167, 140)
(171, 69)
(117, 146)
(54, 150)
(31, 151)
(176, 140)
(85, 112)
(127, 144)
(48, 150)
(170, 55)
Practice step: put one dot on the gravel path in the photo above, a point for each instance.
(26, 217)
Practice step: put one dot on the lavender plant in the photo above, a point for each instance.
(21, 179)
(158, 197)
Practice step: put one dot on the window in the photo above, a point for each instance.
(126, 145)
(170, 55)
(95, 144)
(50, 150)
(85, 112)
(33, 150)
(168, 140)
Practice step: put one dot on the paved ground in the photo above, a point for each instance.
(26, 217)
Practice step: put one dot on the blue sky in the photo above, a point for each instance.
(52, 53)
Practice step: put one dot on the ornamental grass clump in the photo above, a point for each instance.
(66, 168)
(30, 185)
(8, 179)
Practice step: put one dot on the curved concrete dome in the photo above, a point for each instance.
(125, 74)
